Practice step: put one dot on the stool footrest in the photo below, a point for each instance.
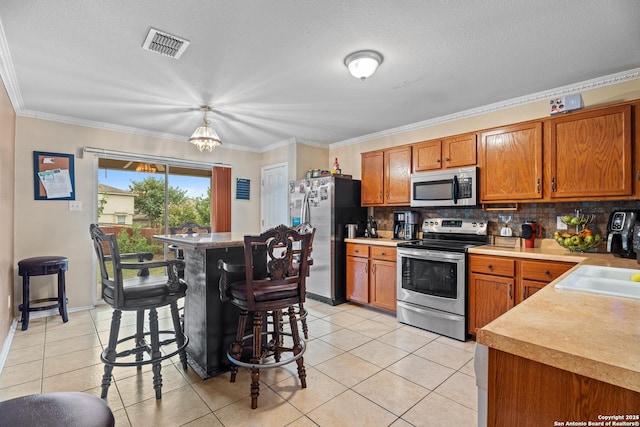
(144, 349)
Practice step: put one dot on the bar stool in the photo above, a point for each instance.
(56, 409)
(41, 266)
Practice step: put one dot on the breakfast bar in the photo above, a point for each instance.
(561, 355)
(209, 322)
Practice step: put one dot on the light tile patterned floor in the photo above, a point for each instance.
(363, 369)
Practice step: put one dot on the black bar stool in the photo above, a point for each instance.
(41, 266)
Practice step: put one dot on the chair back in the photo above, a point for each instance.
(190, 227)
(283, 284)
(106, 247)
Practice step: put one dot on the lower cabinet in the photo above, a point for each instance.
(371, 275)
(496, 284)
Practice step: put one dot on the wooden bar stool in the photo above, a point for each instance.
(41, 266)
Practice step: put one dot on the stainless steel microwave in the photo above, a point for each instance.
(449, 187)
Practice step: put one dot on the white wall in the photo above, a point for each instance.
(44, 227)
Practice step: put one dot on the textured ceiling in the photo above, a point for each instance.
(273, 69)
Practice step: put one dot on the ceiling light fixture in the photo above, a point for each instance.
(363, 63)
(204, 137)
(146, 167)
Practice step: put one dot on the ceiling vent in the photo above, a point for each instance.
(165, 43)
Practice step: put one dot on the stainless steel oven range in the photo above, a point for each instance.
(432, 275)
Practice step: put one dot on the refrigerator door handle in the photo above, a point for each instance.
(305, 213)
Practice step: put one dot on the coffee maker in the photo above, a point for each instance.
(531, 230)
(620, 230)
(405, 225)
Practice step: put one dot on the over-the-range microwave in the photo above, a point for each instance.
(449, 187)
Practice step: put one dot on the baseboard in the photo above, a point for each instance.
(7, 344)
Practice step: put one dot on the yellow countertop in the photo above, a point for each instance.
(380, 241)
(592, 335)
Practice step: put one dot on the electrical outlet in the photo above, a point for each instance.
(9, 301)
(75, 205)
(559, 224)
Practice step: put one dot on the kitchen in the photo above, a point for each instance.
(24, 134)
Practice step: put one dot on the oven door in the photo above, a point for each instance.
(432, 279)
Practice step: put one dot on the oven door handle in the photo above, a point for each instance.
(430, 255)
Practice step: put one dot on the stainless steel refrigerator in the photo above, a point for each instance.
(328, 204)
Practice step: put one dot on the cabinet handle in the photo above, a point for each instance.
(356, 251)
(638, 175)
(538, 185)
(383, 253)
(387, 195)
(490, 267)
(553, 184)
(510, 291)
(524, 293)
(366, 267)
(373, 269)
(438, 161)
(548, 273)
(381, 194)
(446, 159)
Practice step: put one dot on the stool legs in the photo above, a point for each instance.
(155, 352)
(25, 302)
(177, 325)
(297, 348)
(257, 356)
(62, 297)
(109, 355)
(236, 347)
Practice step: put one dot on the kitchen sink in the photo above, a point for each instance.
(602, 280)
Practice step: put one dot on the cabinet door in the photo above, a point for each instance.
(397, 176)
(372, 178)
(528, 288)
(590, 154)
(511, 163)
(358, 279)
(459, 151)
(383, 284)
(489, 297)
(427, 156)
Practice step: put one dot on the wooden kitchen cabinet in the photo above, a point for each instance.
(371, 275)
(456, 151)
(497, 284)
(535, 275)
(511, 163)
(386, 177)
(590, 154)
(358, 273)
(491, 288)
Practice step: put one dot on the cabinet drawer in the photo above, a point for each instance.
(386, 253)
(497, 266)
(546, 271)
(356, 249)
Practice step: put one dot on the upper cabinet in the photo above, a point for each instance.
(451, 152)
(590, 154)
(511, 163)
(386, 177)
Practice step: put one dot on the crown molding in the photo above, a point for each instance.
(8, 74)
(514, 102)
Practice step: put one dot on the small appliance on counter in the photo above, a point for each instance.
(405, 225)
(531, 230)
(372, 228)
(620, 231)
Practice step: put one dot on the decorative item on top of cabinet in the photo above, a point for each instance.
(386, 177)
(590, 154)
(511, 163)
(371, 275)
(449, 152)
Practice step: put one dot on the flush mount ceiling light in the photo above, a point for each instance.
(363, 63)
(204, 137)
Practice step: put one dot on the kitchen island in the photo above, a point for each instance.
(563, 356)
(209, 323)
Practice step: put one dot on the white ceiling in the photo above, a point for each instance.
(273, 69)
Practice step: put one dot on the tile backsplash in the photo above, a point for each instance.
(544, 214)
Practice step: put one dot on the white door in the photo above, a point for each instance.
(274, 197)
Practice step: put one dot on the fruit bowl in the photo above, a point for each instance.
(577, 242)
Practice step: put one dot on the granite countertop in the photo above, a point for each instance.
(593, 335)
(203, 241)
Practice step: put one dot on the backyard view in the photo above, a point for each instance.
(132, 206)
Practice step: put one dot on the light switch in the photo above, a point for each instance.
(75, 205)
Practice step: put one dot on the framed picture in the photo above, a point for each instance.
(53, 176)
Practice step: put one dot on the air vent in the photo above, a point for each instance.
(165, 43)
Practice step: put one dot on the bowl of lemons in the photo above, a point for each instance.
(580, 240)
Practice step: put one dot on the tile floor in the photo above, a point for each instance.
(363, 369)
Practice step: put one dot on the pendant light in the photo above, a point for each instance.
(204, 137)
(363, 63)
